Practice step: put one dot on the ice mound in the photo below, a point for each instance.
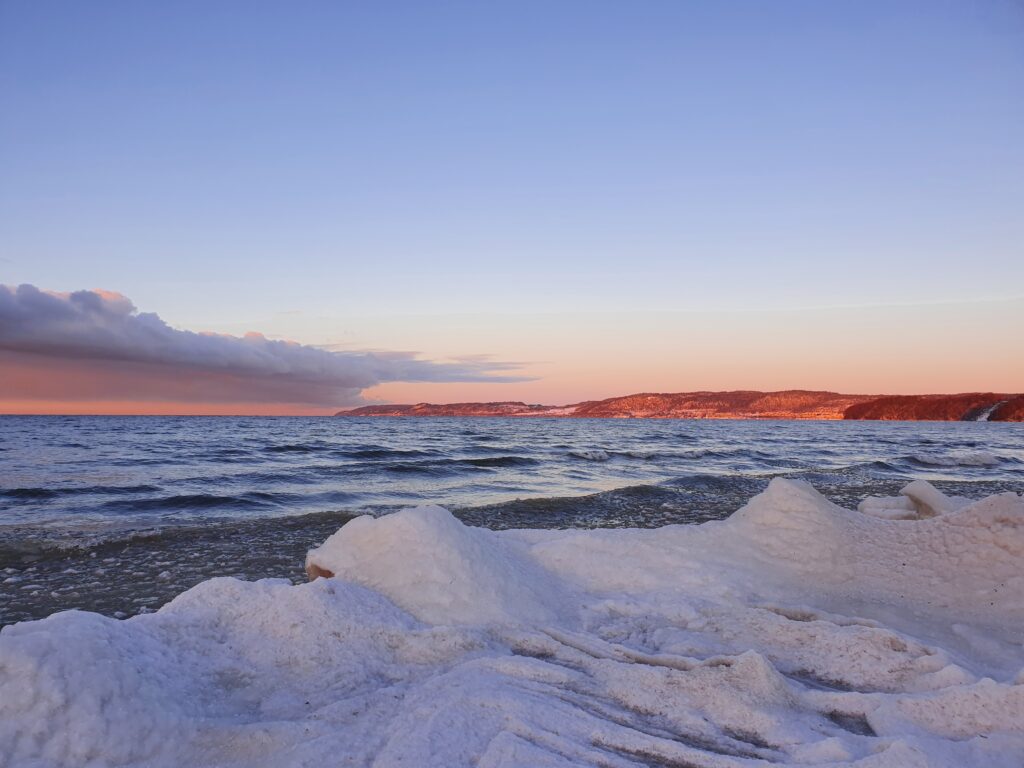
(442, 571)
(795, 632)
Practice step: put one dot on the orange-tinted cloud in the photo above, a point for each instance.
(94, 347)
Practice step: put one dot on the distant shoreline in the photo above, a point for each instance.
(741, 405)
(744, 405)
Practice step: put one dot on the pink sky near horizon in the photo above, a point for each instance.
(921, 349)
(910, 349)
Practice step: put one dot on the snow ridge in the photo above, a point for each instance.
(795, 632)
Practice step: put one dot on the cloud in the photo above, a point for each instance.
(96, 345)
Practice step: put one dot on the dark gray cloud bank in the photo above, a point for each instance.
(105, 346)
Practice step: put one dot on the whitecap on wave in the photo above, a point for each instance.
(590, 454)
(957, 459)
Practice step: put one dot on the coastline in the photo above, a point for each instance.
(121, 514)
(799, 405)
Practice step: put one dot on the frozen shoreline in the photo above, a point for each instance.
(793, 632)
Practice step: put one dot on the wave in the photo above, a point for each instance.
(228, 455)
(866, 468)
(144, 461)
(418, 468)
(766, 460)
(605, 454)
(639, 454)
(500, 461)
(382, 453)
(53, 493)
(956, 459)
(455, 466)
(294, 448)
(193, 501)
(590, 454)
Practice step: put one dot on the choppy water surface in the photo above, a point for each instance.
(119, 514)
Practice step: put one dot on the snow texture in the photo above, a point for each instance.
(795, 632)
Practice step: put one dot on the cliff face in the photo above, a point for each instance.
(965, 407)
(1011, 410)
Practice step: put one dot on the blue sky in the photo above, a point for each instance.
(231, 164)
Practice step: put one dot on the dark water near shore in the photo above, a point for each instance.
(118, 514)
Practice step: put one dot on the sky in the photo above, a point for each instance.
(548, 202)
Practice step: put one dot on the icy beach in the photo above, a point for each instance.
(793, 632)
(121, 515)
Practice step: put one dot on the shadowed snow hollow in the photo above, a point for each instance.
(795, 632)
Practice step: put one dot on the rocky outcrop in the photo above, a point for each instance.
(972, 406)
(1011, 410)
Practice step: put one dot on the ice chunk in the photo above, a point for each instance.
(929, 500)
(918, 499)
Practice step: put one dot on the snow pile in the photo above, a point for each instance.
(441, 571)
(795, 632)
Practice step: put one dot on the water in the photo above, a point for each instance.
(118, 514)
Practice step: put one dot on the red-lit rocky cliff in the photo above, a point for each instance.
(1011, 410)
(787, 404)
(973, 406)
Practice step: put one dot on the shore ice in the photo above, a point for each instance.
(795, 632)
